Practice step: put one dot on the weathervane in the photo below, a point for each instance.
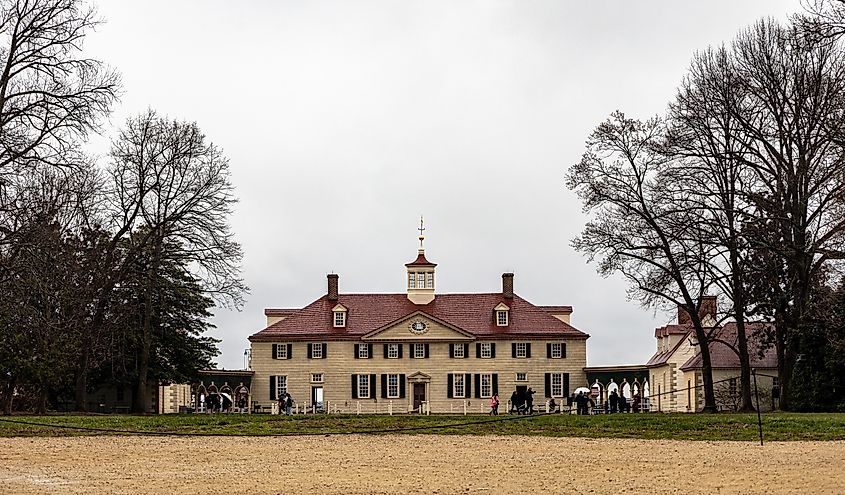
(421, 229)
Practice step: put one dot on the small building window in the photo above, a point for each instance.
(281, 351)
(364, 386)
(339, 319)
(363, 351)
(317, 377)
(486, 385)
(458, 350)
(502, 318)
(393, 351)
(521, 350)
(429, 280)
(317, 350)
(486, 350)
(458, 388)
(411, 280)
(522, 377)
(281, 385)
(420, 280)
(556, 350)
(419, 351)
(392, 386)
(557, 384)
(732, 387)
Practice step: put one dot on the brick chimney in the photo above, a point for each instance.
(507, 285)
(708, 307)
(332, 294)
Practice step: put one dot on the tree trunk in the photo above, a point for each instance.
(80, 392)
(141, 403)
(9, 395)
(745, 404)
(41, 406)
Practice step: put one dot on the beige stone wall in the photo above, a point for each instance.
(171, 397)
(341, 363)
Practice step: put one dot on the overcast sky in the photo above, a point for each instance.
(345, 121)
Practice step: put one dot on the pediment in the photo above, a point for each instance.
(339, 307)
(419, 375)
(501, 307)
(419, 326)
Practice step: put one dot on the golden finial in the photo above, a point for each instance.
(421, 229)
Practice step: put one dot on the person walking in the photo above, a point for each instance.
(514, 403)
(288, 404)
(529, 401)
(614, 401)
(494, 405)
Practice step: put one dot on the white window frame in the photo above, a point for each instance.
(458, 386)
(392, 351)
(486, 385)
(502, 317)
(363, 351)
(458, 351)
(281, 351)
(392, 386)
(522, 377)
(521, 350)
(557, 384)
(363, 386)
(429, 280)
(316, 377)
(281, 385)
(339, 319)
(419, 351)
(486, 350)
(557, 350)
(317, 350)
(412, 279)
(420, 280)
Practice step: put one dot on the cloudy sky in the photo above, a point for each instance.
(345, 121)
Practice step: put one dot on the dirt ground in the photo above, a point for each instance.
(415, 464)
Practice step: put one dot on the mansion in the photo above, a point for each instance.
(418, 350)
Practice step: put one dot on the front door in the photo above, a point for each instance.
(317, 398)
(419, 395)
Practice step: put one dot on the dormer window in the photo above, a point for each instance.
(339, 316)
(502, 314)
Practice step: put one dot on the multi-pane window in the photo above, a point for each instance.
(316, 377)
(411, 280)
(429, 280)
(340, 318)
(363, 351)
(458, 350)
(732, 387)
(521, 377)
(502, 318)
(557, 384)
(393, 351)
(458, 386)
(281, 385)
(392, 386)
(281, 351)
(486, 385)
(557, 350)
(420, 280)
(317, 350)
(486, 350)
(419, 350)
(364, 386)
(521, 349)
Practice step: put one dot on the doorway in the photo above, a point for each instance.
(419, 395)
(317, 398)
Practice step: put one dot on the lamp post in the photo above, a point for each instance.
(247, 358)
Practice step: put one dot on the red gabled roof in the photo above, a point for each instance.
(722, 356)
(279, 311)
(556, 309)
(421, 261)
(472, 313)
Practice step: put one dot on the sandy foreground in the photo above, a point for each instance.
(415, 464)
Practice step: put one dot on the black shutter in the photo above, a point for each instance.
(467, 385)
(325, 350)
(275, 351)
(272, 388)
(563, 349)
(513, 349)
(373, 386)
(566, 384)
(411, 353)
(451, 350)
(400, 346)
(383, 386)
(478, 349)
(369, 351)
(310, 354)
(385, 351)
(528, 350)
(449, 381)
(492, 349)
(495, 383)
(401, 386)
(290, 351)
(549, 350)
(466, 351)
(354, 386)
(357, 347)
(426, 351)
(477, 386)
(548, 391)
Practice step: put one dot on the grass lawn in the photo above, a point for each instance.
(743, 427)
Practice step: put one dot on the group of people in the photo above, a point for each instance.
(615, 403)
(285, 404)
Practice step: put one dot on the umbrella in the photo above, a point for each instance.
(582, 389)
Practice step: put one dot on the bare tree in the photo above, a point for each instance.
(640, 227)
(823, 21)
